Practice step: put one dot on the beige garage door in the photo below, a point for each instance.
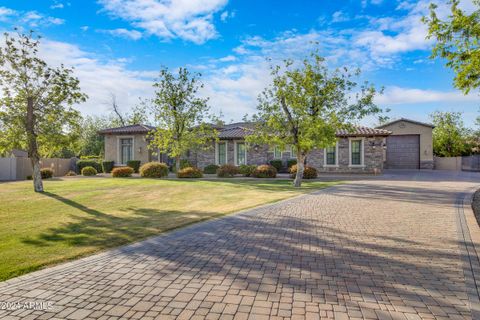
(403, 152)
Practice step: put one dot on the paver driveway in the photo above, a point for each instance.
(383, 248)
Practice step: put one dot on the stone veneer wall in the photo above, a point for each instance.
(373, 156)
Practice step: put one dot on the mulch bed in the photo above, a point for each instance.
(476, 205)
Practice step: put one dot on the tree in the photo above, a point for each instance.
(449, 134)
(180, 116)
(457, 41)
(306, 104)
(36, 106)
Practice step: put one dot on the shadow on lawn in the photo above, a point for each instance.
(105, 230)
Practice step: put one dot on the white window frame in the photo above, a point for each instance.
(119, 147)
(235, 160)
(362, 152)
(216, 151)
(325, 157)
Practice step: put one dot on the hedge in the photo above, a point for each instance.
(122, 172)
(189, 172)
(265, 171)
(210, 169)
(227, 171)
(154, 170)
(107, 166)
(134, 164)
(89, 171)
(277, 164)
(246, 170)
(88, 163)
(46, 173)
(308, 172)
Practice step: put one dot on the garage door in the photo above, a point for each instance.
(403, 152)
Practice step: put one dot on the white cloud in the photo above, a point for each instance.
(228, 58)
(6, 13)
(226, 15)
(397, 95)
(57, 6)
(125, 33)
(340, 16)
(29, 18)
(187, 20)
(99, 78)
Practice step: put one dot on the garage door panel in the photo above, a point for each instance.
(403, 152)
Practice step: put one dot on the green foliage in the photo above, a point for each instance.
(70, 173)
(189, 172)
(307, 103)
(227, 171)
(210, 169)
(89, 171)
(154, 170)
(457, 41)
(54, 90)
(107, 166)
(291, 162)
(180, 115)
(277, 164)
(122, 172)
(134, 164)
(46, 173)
(246, 170)
(308, 172)
(449, 134)
(88, 163)
(265, 171)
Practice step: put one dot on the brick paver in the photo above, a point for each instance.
(384, 248)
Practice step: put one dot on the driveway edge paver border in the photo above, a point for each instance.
(65, 267)
(468, 249)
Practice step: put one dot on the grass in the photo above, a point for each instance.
(80, 216)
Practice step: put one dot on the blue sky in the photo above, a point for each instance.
(118, 46)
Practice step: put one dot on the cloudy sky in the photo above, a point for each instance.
(118, 46)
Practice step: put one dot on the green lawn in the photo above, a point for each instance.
(79, 216)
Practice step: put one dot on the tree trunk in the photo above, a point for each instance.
(32, 147)
(177, 164)
(297, 183)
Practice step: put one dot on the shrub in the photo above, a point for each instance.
(189, 172)
(308, 172)
(210, 169)
(227, 171)
(46, 173)
(122, 172)
(246, 170)
(88, 163)
(291, 163)
(89, 171)
(134, 164)
(277, 164)
(154, 170)
(70, 173)
(107, 166)
(265, 171)
(29, 178)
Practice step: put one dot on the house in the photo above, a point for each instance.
(410, 145)
(360, 150)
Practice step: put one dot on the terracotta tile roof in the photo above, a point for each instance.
(360, 131)
(134, 128)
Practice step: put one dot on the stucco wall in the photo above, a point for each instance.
(426, 144)
(140, 147)
(448, 163)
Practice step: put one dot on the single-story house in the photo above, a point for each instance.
(360, 150)
(410, 145)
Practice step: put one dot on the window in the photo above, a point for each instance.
(277, 153)
(241, 153)
(126, 150)
(331, 157)
(221, 153)
(356, 152)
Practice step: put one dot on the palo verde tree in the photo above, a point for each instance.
(181, 116)
(457, 40)
(306, 104)
(36, 104)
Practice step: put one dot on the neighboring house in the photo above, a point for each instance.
(410, 145)
(361, 150)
